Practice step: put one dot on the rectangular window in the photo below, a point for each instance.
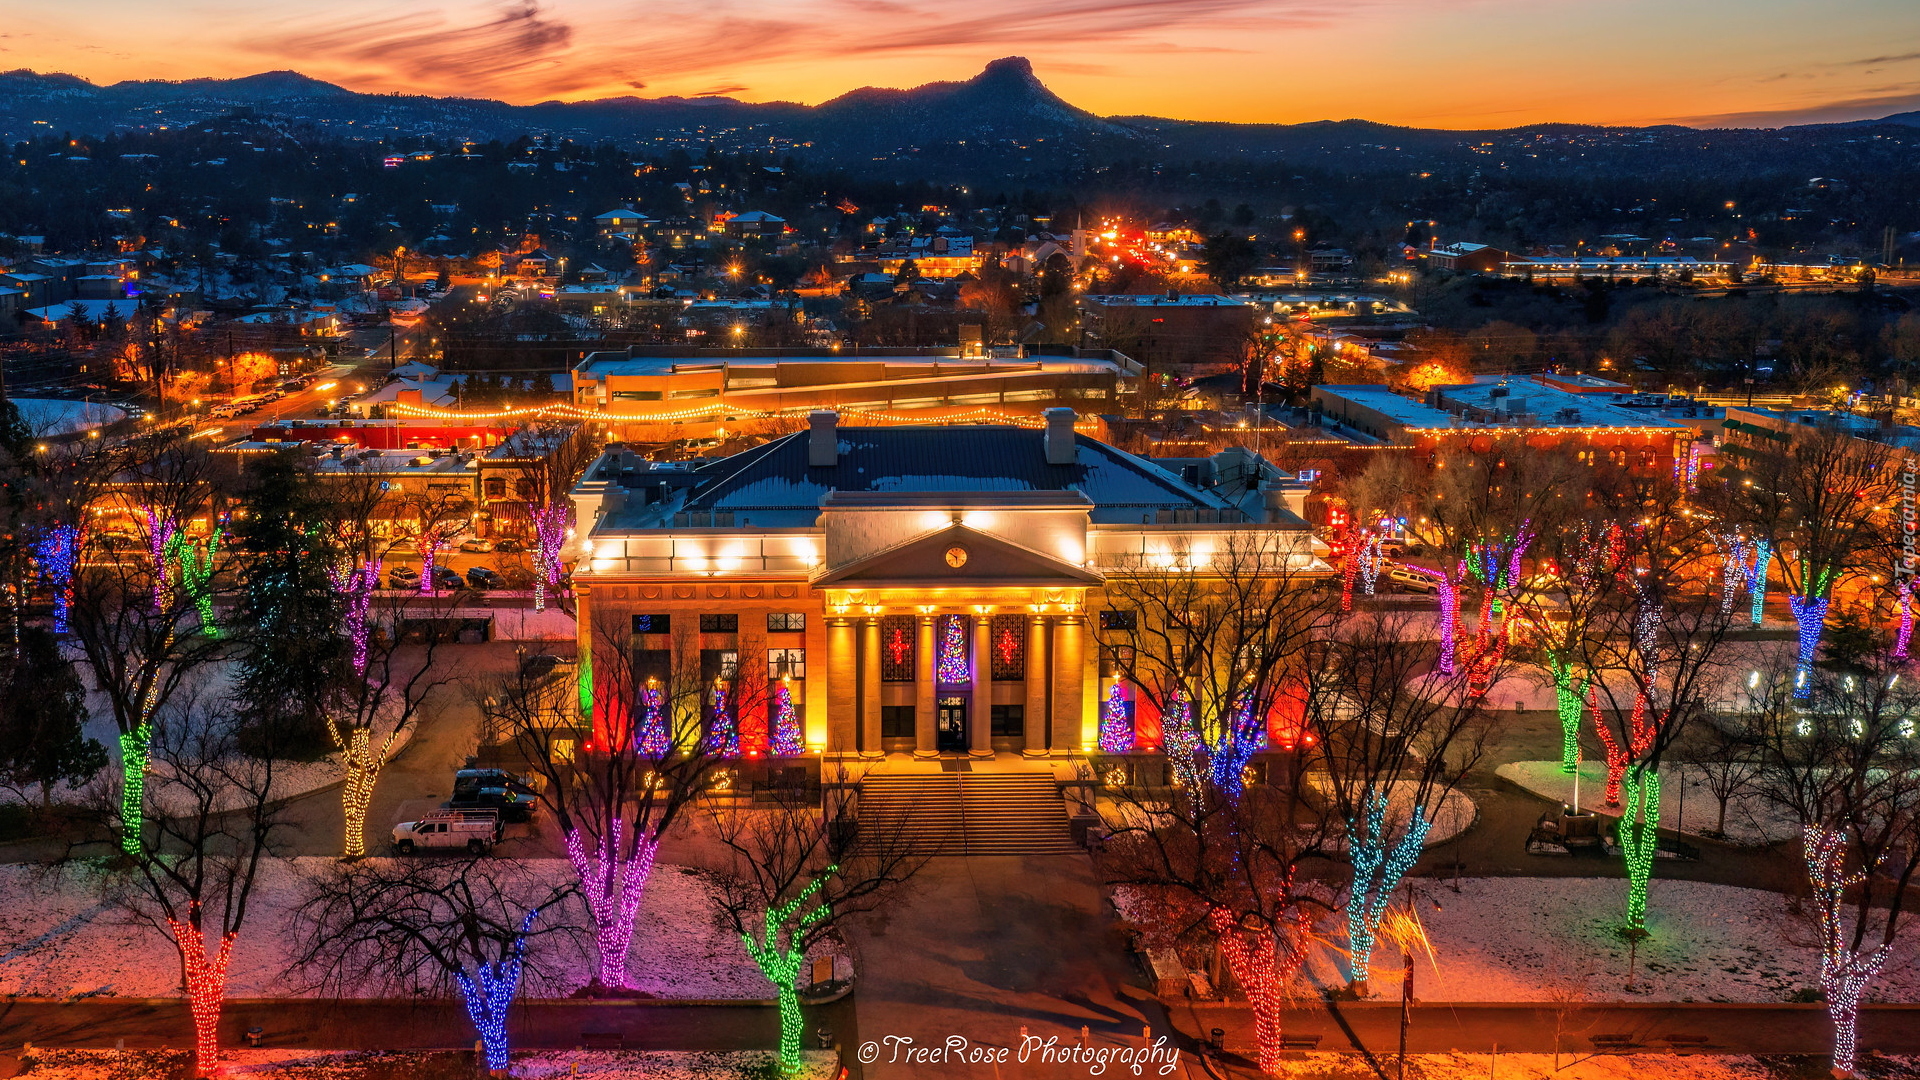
(896, 721)
(898, 642)
(1116, 619)
(719, 624)
(1009, 721)
(1007, 646)
(786, 664)
(786, 621)
(719, 664)
(653, 624)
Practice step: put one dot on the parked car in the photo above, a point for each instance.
(483, 577)
(1409, 581)
(476, 830)
(445, 577)
(518, 577)
(510, 795)
(507, 543)
(476, 545)
(403, 577)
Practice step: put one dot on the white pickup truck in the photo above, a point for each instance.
(475, 830)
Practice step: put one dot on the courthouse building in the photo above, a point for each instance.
(916, 589)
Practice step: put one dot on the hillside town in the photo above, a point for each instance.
(577, 607)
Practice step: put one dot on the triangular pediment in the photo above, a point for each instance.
(957, 555)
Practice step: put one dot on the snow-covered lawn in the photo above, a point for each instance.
(1543, 939)
(1455, 814)
(1319, 1066)
(353, 1065)
(1556, 939)
(60, 938)
(1751, 819)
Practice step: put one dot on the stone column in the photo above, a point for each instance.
(1069, 683)
(980, 706)
(1035, 720)
(843, 687)
(870, 689)
(926, 742)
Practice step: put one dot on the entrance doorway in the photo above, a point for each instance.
(950, 725)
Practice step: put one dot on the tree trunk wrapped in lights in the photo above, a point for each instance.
(1639, 834)
(1903, 599)
(206, 979)
(1263, 960)
(160, 532)
(488, 994)
(1378, 867)
(1569, 700)
(1845, 970)
(613, 880)
(550, 534)
(1757, 580)
(1810, 617)
(58, 552)
(779, 954)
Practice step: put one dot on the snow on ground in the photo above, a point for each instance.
(61, 937)
(1455, 814)
(1556, 939)
(1323, 1066)
(1751, 819)
(1543, 939)
(353, 1065)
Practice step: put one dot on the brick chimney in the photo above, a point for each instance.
(823, 439)
(1059, 437)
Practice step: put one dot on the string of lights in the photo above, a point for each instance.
(1181, 740)
(1568, 695)
(1733, 568)
(779, 956)
(206, 980)
(1449, 617)
(1638, 833)
(1844, 973)
(1255, 960)
(1116, 731)
(1239, 739)
(488, 994)
(1757, 577)
(788, 740)
(1810, 614)
(356, 586)
(1377, 871)
(612, 883)
(550, 532)
(160, 530)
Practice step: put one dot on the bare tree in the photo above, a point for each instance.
(1209, 633)
(623, 760)
(213, 833)
(1817, 500)
(472, 926)
(1841, 759)
(794, 868)
(1394, 738)
(141, 657)
(547, 459)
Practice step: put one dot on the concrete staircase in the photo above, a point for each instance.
(1011, 813)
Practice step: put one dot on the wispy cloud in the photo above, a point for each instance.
(527, 48)
(1902, 99)
(516, 46)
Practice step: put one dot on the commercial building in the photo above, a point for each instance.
(649, 386)
(907, 589)
(1170, 330)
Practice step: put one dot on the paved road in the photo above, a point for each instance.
(1535, 1028)
(397, 1025)
(989, 947)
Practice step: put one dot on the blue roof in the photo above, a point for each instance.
(774, 478)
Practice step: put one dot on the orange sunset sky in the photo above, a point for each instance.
(1429, 63)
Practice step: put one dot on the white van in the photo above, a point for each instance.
(475, 830)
